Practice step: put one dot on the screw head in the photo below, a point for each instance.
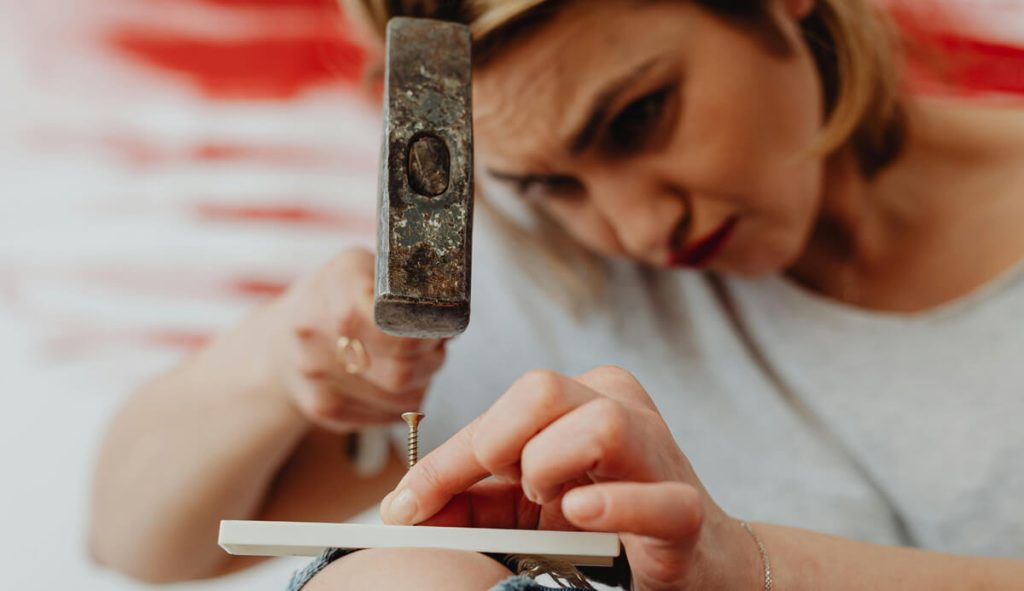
(412, 418)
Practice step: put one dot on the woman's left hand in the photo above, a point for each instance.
(589, 453)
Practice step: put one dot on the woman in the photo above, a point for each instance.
(846, 361)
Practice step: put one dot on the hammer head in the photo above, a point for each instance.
(425, 199)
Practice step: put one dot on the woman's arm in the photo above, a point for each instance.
(804, 560)
(254, 425)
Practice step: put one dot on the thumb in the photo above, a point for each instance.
(663, 518)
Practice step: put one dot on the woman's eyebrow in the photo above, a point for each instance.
(581, 139)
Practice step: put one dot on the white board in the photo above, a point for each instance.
(294, 538)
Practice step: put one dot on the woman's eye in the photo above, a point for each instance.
(550, 187)
(635, 124)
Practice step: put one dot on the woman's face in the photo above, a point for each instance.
(659, 131)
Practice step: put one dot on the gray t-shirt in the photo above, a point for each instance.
(900, 429)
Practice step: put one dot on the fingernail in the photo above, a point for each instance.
(583, 504)
(403, 507)
(529, 494)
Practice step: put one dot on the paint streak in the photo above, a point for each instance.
(287, 4)
(259, 288)
(85, 341)
(282, 155)
(979, 67)
(249, 69)
(227, 152)
(292, 215)
(941, 61)
(140, 151)
(185, 283)
(177, 339)
(265, 57)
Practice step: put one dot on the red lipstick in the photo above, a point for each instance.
(700, 253)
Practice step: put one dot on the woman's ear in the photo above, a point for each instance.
(798, 9)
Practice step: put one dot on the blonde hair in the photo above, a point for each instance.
(852, 45)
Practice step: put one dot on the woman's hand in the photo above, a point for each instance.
(372, 379)
(591, 453)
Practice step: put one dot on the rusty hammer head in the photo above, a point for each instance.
(425, 199)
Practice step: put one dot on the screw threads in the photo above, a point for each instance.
(414, 443)
(413, 420)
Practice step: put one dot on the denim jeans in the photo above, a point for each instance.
(302, 576)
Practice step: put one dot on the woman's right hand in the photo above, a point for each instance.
(338, 387)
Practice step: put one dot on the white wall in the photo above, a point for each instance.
(110, 258)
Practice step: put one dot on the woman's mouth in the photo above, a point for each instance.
(700, 252)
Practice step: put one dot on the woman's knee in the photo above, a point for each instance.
(384, 569)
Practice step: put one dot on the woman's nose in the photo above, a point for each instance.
(643, 214)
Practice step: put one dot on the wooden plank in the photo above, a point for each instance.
(292, 538)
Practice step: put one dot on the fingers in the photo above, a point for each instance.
(667, 511)
(429, 485)
(370, 380)
(388, 383)
(487, 504)
(491, 444)
(600, 440)
(355, 315)
(347, 288)
(403, 375)
(617, 383)
(358, 323)
(529, 406)
(325, 407)
(659, 522)
(320, 358)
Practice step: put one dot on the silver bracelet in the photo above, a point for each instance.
(764, 555)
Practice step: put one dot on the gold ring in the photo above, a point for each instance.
(352, 355)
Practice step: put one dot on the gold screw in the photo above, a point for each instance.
(413, 420)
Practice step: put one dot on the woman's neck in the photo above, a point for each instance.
(946, 218)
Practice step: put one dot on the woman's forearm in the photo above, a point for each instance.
(804, 561)
(197, 445)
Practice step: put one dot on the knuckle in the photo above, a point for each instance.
(346, 259)
(311, 369)
(489, 458)
(610, 423)
(324, 404)
(314, 374)
(541, 388)
(352, 268)
(480, 445)
(398, 377)
(303, 330)
(665, 569)
(348, 322)
(614, 372)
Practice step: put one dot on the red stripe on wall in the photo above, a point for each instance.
(974, 65)
(178, 339)
(287, 214)
(256, 68)
(330, 4)
(942, 61)
(257, 287)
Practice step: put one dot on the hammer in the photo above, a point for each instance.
(425, 196)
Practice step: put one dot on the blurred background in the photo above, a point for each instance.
(167, 164)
